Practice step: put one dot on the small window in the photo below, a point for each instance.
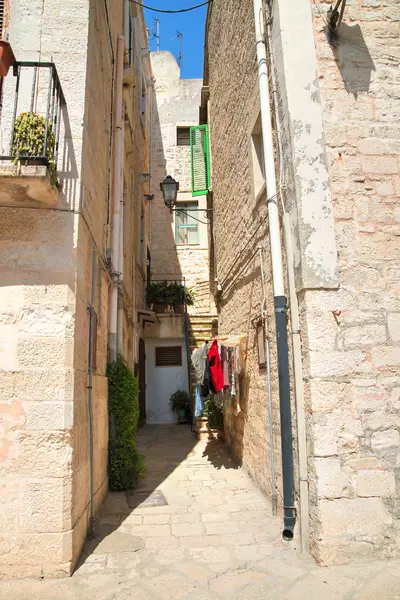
(257, 157)
(183, 136)
(186, 225)
(169, 356)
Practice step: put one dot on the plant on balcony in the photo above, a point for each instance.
(29, 131)
(162, 294)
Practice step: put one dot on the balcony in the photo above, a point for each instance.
(32, 103)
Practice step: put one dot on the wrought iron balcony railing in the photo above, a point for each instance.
(31, 114)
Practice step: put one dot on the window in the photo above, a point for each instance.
(142, 235)
(200, 160)
(257, 158)
(183, 136)
(169, 356)
(186, 226)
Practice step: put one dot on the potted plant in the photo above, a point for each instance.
(215, 413)
(28, 142)
(178, 298)
(156, 296)
(179, 403)
(6, 57)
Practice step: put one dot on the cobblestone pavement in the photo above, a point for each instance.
(214, 539)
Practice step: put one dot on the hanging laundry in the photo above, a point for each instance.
(216, 372)
(225, 365)
(199, 356)
(206, 385)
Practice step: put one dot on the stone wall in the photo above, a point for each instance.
(240, 228)
(339, 174)
(46, 280)
(176, 103)
(353, 334)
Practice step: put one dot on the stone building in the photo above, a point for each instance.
(59, 267)
(179, 241)
(336, 129)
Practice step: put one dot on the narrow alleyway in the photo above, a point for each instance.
(209, 535)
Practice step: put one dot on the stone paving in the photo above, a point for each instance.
(214, 539)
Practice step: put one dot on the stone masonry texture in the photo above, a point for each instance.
(338, 107)
(46, 276)
(215, 539)
(176, 104)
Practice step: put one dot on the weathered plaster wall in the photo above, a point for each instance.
(176, 103)
(353, 334)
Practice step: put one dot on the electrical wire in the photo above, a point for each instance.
(182, 10)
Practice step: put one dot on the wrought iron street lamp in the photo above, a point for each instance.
(169, 188)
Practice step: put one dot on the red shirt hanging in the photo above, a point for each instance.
(216, 371)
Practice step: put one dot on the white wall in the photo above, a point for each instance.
(163, 381)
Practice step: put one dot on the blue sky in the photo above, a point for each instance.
(190, 24)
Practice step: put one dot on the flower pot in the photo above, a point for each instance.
(160, 308)
(6, 57)
(180, 309)
(182, 415)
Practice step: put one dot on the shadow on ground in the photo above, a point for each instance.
(165, 448)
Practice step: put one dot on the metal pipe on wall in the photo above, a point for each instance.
(299, 389)
(112, 337)
(91, 310)
(120, 314)
(274, 497)
(277, 277)
(295, 326)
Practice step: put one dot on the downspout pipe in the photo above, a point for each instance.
(280, 302)
(116, 188)
(91, 311)
(120, 314)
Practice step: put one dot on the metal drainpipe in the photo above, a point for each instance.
(274, 498)
(91, 310)
(278, 279)
(118, 124)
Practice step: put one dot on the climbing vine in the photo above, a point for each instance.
(29, 130)
(125, 464)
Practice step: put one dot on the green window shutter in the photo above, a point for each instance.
(199, 160)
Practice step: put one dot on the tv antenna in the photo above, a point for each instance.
(153, 33)
(179, 35)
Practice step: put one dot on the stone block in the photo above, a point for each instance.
(336, 363)
(382, 441)
(335, 433)
(375, 483)
(45, 454)
(380, 165)
(47, 506)
(333, 480)
(48, 415)
(365, 335)
(386, 356)
(394, 326)
(346, 518)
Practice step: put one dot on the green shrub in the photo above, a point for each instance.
(29, 130)
(173, 294)
(179, 401)
(125, 464)
(214, 413)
